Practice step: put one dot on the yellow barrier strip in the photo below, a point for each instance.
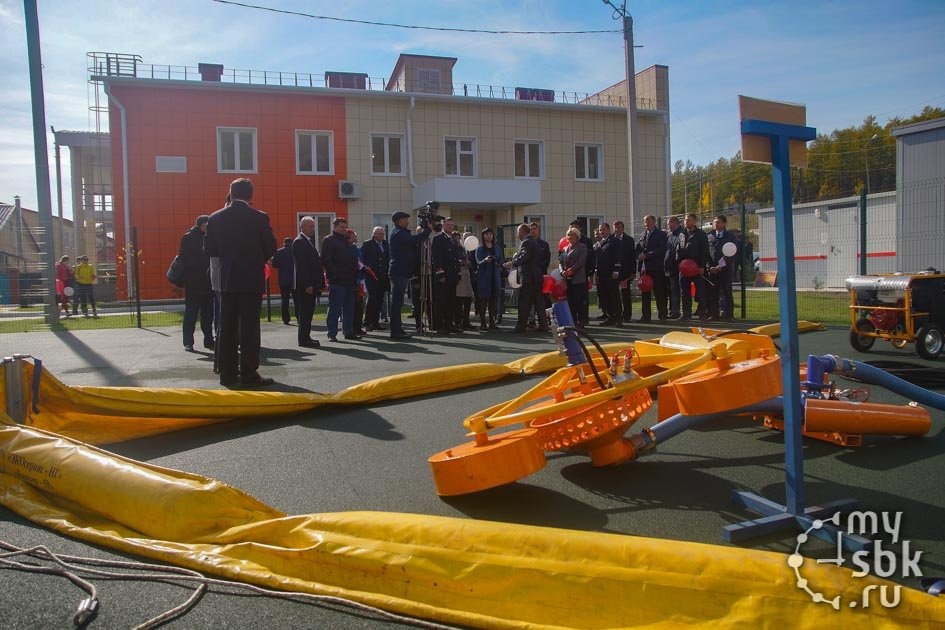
(459, 571)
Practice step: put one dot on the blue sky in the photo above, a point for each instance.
(843, 59)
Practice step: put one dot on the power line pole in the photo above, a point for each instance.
(41, 156)
(633, 160)
(632, 157)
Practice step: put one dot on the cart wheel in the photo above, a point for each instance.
(898, 344)
(860, 342)
(929, 341)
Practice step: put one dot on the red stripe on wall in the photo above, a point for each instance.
(824, 256)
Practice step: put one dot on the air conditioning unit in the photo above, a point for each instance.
(348, 189)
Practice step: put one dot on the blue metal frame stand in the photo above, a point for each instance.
(776, 517)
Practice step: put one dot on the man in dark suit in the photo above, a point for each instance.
(282, 261)
(628, 269)
(376, 253)
(590, 266)
(693, 245)
(528, 261)
(198, 298)
(651, 252)
(444, 256)
(241, 237)
(609, 269)
(545, 260)
(404, 266)
(309, 279)
(721, 270)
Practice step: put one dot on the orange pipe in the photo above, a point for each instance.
(843, 416)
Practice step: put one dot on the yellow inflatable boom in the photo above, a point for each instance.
(457, 571)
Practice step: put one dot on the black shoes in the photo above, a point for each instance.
(189, 348)
(229, 380)
(351, 337)
(255, 380)
(399, 336)
(209, 345)
(309, 343)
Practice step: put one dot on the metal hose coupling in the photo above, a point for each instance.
(641, 442)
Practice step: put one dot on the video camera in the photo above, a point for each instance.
(428, 212)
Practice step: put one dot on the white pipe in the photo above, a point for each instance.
(413, 184)
(124, 185)
(668, 210)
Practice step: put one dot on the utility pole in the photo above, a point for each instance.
(632, 143)
(41, 156)
(633, 160)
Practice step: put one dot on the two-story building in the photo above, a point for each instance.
(347, 145)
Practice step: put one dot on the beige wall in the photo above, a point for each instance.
(379, 194)
(495, 125)
(652, 87)
(405, 77)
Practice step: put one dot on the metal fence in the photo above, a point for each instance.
(149, 300)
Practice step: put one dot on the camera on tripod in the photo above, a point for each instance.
(428, 212)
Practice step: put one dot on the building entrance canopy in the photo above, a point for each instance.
(479, 192)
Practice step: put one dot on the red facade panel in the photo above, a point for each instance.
(183, 123)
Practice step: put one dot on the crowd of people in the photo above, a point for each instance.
(455, 276)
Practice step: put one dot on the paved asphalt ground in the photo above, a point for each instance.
(374, 458)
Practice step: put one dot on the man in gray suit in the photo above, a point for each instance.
(241, 237)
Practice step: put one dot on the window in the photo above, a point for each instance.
(461, 157)
(387, 154)
(529, 157)
(592, 223)
(589, 162)
(428, 80)
(315, 152)
(236, 150)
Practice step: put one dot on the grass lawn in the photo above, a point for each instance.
(117, 320)
(830, 308)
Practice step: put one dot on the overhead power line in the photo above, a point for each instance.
(412, 26)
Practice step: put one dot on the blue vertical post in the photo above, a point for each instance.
(775, 517)
(787, 301)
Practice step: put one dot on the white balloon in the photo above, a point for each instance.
(513, 278)
(471, 243)
(69, 291)
(729, 249)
